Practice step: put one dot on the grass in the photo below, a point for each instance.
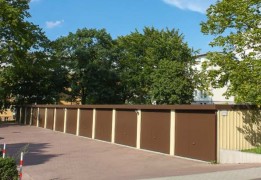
(213, 162)
(256, 150)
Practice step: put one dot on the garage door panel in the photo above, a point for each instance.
(71, 121)
(126, 127)
(103, 125)
(155, 131)
(59, 125)
(196, 135)
(86, 118)
(41, 117)
(50, 119)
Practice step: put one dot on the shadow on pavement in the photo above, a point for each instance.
(5, 124)
(35, 152)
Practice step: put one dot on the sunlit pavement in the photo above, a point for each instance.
(59, 156)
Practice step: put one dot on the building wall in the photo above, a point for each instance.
(217, 96)
(6, 115)
(191, 131)
(237, 130)
(232, 126)
(152, 128)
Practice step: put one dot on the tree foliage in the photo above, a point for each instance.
(172, 83)
(87, 56)
(8, 169)
(35, 79)
(154, 66)
(17, 34)
(237, 27)
(27, 74)
(89, 65)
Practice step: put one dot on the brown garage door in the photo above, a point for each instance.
(103, 125)
(86, 122)
(126, 127)
(22, 115)
(34, 116)
(28, 115)
(59, 125)
(50, 118)
(195, 134)
(71, 121)
(155, 131)
(41, 117)
(17, 115)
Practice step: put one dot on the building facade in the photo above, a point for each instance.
(216, 95)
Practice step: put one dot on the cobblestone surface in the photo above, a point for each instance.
(58, 156)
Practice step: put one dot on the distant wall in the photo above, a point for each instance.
(6, 115)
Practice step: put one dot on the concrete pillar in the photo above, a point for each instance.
(93, 123)
(54, 119)
(45, 118)
(31, 116)
(78, 122)
(38, 114)
(20, 117)
(172, 132)
(113, 126)
(65, 120)
(138, 129)
(25, 115)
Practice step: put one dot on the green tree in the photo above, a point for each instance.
(35, 79)
(17, 34)
(155, 66)
(87, 55)
(237, 27)
(27, 75)
(172, 83)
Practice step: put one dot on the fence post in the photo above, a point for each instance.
(78, 122)
(172, 132)
(4, 150)
(21, 166)
(65, 120)
(138, 128)
(113, 126)
(93, 123)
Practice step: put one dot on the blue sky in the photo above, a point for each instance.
(121, 17)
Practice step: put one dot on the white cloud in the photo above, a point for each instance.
(53, 24)
(192, 5)
(34, 1)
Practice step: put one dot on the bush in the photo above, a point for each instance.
(8, 169)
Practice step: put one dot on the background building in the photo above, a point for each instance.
(217, 94)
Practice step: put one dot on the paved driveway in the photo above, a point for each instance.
(58, 156)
